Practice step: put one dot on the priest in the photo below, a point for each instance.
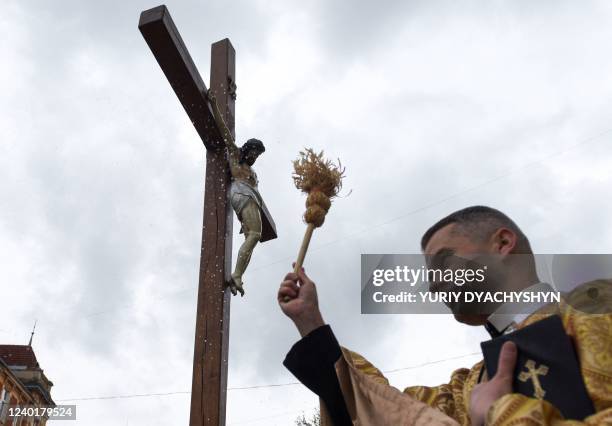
(354, 392)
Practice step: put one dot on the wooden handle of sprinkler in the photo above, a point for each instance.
(304, 248)
(302, 254)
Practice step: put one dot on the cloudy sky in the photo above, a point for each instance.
(431, 105)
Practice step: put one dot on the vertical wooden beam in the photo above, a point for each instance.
(209, 384)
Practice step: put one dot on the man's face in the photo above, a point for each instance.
(251, 156)
(448, 242)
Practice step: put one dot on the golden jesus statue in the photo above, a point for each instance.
(244, 195)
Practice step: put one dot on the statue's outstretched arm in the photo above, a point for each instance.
(225, 132)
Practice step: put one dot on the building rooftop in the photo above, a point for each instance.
(22, 362)
(19, 356)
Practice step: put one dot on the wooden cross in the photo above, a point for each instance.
(209, 383)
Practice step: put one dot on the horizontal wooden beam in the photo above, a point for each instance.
(164, 40)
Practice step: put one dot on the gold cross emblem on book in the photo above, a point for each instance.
(532, 374)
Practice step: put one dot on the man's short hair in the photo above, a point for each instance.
(479, 223)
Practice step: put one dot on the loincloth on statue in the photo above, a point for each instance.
(240, 194)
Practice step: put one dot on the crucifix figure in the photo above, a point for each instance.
(244, 195)
(532, 374)
(209, 380)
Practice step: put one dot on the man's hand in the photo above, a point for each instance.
(485, 394)
(297, 297)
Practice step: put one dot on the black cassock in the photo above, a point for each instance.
(311, 360)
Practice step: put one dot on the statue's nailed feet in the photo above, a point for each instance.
(235, 286)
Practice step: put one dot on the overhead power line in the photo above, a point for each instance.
(510, 172)
(274, 385)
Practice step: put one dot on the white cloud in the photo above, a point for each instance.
(430, 106)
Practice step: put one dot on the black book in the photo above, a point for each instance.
(546, 368)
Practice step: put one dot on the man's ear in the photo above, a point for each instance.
(504, 241)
